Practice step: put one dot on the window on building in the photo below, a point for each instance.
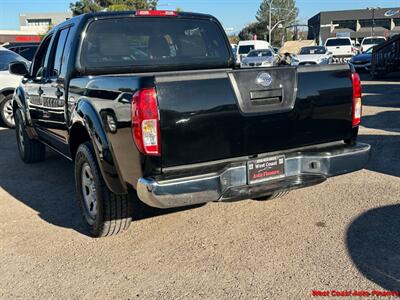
(365, 23)
(385, 23)
(346, 24)
(38, 22)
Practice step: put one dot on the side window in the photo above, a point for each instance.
(28, 52)
(58, 56)
(38, 65)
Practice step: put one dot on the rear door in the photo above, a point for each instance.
(53, 121)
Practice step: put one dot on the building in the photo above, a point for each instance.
(40, 22)
(32, 26)
(355, 24)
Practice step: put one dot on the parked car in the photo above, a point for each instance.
(244, 47)
(26, 50)
(370, 42)
(234, 48)
(180, 125)
(8, 83)
(314, 55)
(259, 58)
(357, 45)
(362, 62)
(341, 48)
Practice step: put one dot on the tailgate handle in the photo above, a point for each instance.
(266, 97)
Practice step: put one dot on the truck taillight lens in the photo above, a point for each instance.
(357, 103)
(146, 121)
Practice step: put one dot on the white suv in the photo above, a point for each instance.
(8, 83)
(341, 47)
(370, 42)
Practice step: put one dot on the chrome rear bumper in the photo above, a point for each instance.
(301, 169)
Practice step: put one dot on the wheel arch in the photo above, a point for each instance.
(20, 101)
(87, 126)
(5, 92)
(78, 136)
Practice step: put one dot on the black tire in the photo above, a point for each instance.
(30, 150)
(272, 196)
(108, 214)
(6, 111)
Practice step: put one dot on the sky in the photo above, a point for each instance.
(234, 14)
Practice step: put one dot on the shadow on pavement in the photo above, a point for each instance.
(386, 120)
(385, 156)
(390, 101)
(373, 243)
(385, 149)
(48, 187)
(394, 76)
(382, 93)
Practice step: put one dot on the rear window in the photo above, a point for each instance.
(7, 57)
(153, 43)
(312, 50)
(245, 49)
(338, 42)
(27, 52)
(373, 41)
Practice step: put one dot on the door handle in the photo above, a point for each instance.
(40, 91)
(59, 93)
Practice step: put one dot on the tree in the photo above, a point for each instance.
(233, 39)
(86, 6)
(256, 28)
(283, 11)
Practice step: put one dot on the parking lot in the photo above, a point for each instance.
(343, 234)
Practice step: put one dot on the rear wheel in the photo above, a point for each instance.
(6, 111)
(272, 196)
(103, 212)
(30, 150)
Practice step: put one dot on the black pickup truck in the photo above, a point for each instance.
(151, 100)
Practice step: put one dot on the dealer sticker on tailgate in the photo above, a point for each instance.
(266, 169)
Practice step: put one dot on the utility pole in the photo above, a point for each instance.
(373, 19)
(373, 22)
(270, 21)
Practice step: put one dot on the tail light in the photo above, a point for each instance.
(362, 49)
(357, 103)
(146, 121)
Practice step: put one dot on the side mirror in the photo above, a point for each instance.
(329, 53)
(18, 68)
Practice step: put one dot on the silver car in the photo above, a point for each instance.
(313, 55)
(259, 58)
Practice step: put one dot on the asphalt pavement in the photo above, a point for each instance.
(343, 234)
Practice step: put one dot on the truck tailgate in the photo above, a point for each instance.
(213, 115)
